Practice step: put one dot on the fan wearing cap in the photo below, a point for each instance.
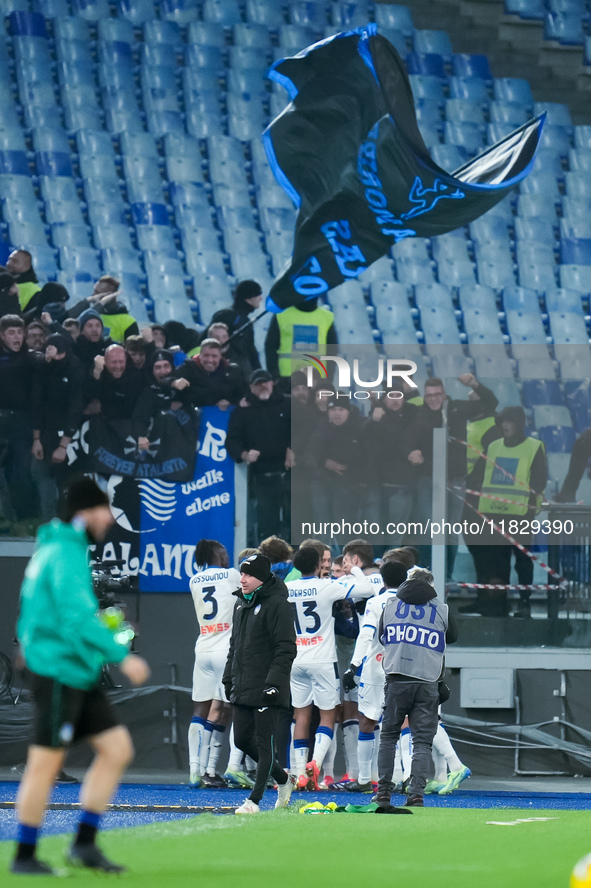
(257, 674)
(247, 299)
(259, 434)
(65, 645)
(56, 415)
(165, 392)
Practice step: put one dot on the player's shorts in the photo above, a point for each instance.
(318, 684)
(63, 715)
(371, 699)
(207, 676)
(345, 648)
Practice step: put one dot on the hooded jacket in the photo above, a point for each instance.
(262, 646)
(263, 426)
(225, 383)
(59, 629)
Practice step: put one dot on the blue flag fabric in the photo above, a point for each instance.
(348, 152)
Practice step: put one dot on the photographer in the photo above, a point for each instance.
(65, 646)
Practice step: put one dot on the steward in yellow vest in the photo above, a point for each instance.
(20, 265)
(302, 328)
(475, 432)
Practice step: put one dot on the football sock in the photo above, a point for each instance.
(442, 744)
(196, 735)
(351, 740)
(300, 757)
(322, 741)
(365, 754)
(374, 760)
(251, 765)
(398, 776)
(236, 755)
(87, 828)
(406, 751)
(331, 754)
(439, 766)
(204, 753)
(215, 748)
(27, 841)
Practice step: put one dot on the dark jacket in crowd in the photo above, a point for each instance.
(86, 351)
(9, 302)
(263, 426)
(226, 383)
(19, 378)
(576, 468)
(157, 397)
(118, 397)
(242, 345)
(60, 404)
(459, 414)
(49, 293)
(343, 445)
(262, 646)
(387, 443)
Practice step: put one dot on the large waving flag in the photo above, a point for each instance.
(348, 151)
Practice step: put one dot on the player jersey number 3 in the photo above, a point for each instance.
(209, 597)
(310, 615)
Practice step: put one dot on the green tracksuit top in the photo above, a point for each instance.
(59, 630)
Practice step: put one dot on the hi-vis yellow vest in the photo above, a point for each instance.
(474, 433)
(516, 461)
(301, 331)
(26, 292)
(117, 324)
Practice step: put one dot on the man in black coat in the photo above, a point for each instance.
(257, 674)
(247, 299)
(214, 381)
(163, 393)
(259, 434)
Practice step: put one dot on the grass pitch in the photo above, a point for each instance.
(453, 848)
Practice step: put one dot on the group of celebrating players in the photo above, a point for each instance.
(336, 677)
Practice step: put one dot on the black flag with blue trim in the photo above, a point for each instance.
(348, 151)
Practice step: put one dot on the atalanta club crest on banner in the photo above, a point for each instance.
(173, 517)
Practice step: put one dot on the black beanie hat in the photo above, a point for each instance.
(83, 493)
(163, 354)
(247, 290)
(59, 342)
(6, 281)
(257, 566)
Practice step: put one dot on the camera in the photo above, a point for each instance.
(109, 583)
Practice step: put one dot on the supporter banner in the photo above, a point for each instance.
(173, 517)
(171, 456)
(349, 153)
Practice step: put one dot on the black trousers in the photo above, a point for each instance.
(255, 733)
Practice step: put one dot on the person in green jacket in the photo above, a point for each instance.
(65, 644)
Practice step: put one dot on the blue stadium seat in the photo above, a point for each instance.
(551, 415)
(576, 209)
(66, 234)
(525, 328)
(241, 240)
(79, 259)
(579, 160)
(249, 81)
(248, 59)
(189, 194)
(207, 34)
(43, 256)
(536, 205)
(391, 294)
(390, 15)
(464, 111)
(199, 239)
(254, 267)
(94, 142)
(58, 188)
(156, 237)
(557, 138)
(450, 247)
(171, 303)
(568, 329)
(97, 191)
(439, 326)
(479, 298)
(118, 30)
(14, 163)
(557, 439)
(159, 262)
(136, 11)
(265, 12)
(465, 135)
(53, 163)
(495, 274)
(26, 24)
(119, 260)
(538, 276)
(209, 57)
(99, 166)
(513, 90)
(575, 227)
(426, 86)
(272, 219)
(31, 232)
(576, 251)
(161, 54)
(521, 299)
(511, 114)
(202, 125)
(428, 111)
(63, 211)
(428, 296)
(16, 188)
(79, 73)
(149, 214)
(530, 10)
(52, 8)
(251, 36)
(426, 64)
(114, 236)
(159, 77)
(79, 96)
(537, 229)
(582, 136)
(564, 27)
(71, 28)
(489, 228)
(142, 171)
(578, 185)
(205, 262)
(542, 391)
(547, 160)
(482, 328)
(558, 114)
(72, 51)
(194, 217)
(103, 214)
(184, 169)
(179, 12)
(437, 42)
(472, 89)
(93, 10)
(465, 65)
(294, 38)
(561, 300)
(575, 277)
(455, 273)
(540, 183)
(165, 32)
(396, 326)
(535, 253)
(139, 145)
(224, 12)
(115, 54)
